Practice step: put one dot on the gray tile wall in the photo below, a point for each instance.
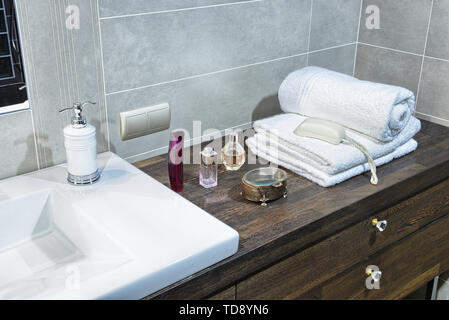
(62, 67)
(18, 149)
(217, 61)
(410, 49)
(333, 23)
(110, 8)
(174, 45)
(340, 59)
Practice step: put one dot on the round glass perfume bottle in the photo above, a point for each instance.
(233, 154)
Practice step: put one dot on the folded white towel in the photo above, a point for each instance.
(312, 173)
(278, 132)
(378, 110)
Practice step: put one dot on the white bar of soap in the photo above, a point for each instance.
(321, 129)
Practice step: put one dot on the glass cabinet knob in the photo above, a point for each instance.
(380, 225)
(376, 275)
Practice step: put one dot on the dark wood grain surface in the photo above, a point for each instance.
(309, 214)
(296, 275)
(226, 294)
(406, 266)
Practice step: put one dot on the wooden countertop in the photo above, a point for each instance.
(309, 214)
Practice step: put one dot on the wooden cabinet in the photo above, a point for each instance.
(227, 294)
(405, 267)
(318, 242)
(295, 276)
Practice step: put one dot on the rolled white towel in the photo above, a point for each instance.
(377, 110)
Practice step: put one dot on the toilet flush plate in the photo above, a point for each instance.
(144, 121)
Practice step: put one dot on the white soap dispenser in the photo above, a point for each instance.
(81, 147)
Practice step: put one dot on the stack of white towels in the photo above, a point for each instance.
(377, 116)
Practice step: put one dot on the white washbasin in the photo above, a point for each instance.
(123, 238)
(46, 243)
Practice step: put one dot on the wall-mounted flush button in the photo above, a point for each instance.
(144, 121)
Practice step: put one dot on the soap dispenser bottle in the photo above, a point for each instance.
(81, 147)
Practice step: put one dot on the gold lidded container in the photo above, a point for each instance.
(264, 184)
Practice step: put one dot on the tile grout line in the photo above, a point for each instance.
(401, 51)
(33, 92)
(333, 47)
(75, 65)
(64, 89)
(56, 44)
(228, 69)
(435, 58)
(390, 49)
(358, 38)
(423, 56)
(310, 32)
(98, 73)
(431, 118)
(206, 74)
(61, 60)
(104, 79)
(65, 57)
(64, 54)
(177, 10)
(68, 53)
(36, 150)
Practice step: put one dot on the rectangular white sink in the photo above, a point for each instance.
(123, 238)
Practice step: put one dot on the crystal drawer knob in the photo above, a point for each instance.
(380, 225)
(376, 275)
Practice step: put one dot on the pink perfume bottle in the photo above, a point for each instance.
(175, 162)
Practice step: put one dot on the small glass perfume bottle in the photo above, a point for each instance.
(208, 168)
(233, 154)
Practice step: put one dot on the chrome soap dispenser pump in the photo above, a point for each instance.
(81, 147)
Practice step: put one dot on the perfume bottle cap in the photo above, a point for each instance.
(177, 135)
(175, 147)
(209, 156)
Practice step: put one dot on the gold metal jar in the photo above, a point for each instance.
(264, 184)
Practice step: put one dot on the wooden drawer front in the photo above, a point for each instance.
(227, 294)
(405, 267)
(294, 276)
